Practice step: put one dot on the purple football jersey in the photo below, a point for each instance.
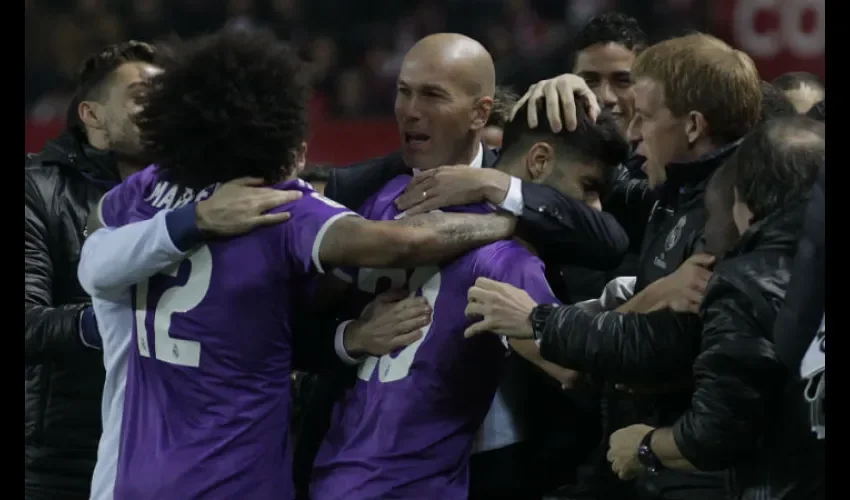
(207, 404)
(406, 429)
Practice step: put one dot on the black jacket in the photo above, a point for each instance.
(674, 231)
(801, 314)
(643, 348)
(650, 348)
(631, 200)
(747, 411)
(568, 228)
(64, 379)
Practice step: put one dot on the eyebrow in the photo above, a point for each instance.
(427, 87)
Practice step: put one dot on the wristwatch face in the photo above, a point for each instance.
(647, 458)
(538, 318)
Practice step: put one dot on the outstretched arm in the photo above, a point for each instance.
(113, 259)
(424, 239)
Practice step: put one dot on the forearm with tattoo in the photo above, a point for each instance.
(421, 240)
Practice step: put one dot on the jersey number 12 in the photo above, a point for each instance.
(177, 299)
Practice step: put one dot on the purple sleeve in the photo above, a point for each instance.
(312, 215)
(115, 205)
(517, 267)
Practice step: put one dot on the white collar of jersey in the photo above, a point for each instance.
(476, 162)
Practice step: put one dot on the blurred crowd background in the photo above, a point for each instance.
(354, 47)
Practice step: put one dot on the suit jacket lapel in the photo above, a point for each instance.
(490, 158)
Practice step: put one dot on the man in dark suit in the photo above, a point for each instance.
(444, 98)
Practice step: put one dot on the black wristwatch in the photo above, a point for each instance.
(538, 318)
(646, 456)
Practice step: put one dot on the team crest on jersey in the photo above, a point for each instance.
(675, 234)
(670, 242)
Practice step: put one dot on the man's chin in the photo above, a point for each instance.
(417, 161)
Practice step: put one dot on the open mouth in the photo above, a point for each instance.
(417, 141)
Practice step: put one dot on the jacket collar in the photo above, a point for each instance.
(488, 156)
(687, 180)
(780, 230)
(691, 173)
(98, 166)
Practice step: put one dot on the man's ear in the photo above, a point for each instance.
(91, 114)
(539, 160)
(695, 127)
(481, 113)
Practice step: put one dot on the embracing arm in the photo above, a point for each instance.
(423, 239)
(50, 330)
(739, 385)
(628, 348)
(113, 259)
(569, 230)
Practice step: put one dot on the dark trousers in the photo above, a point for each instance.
(680, 485)
(503, 474)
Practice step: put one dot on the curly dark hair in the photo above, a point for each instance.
(611, 27)
(228, 105)
(94, 75)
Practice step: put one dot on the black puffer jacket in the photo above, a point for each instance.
(746, 412)
(64, 379)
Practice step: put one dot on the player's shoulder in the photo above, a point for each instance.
(505, 256)
(309, 198)
(140, 183)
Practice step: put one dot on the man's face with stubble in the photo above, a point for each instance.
(607, 69)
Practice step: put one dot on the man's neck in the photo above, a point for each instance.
(469, 153)
(699, 150)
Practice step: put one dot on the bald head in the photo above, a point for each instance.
(444, 100)
(465, 60)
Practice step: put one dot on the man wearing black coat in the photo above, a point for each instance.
(64, 370)
(646, 341)
(746, 412)
(440, 119)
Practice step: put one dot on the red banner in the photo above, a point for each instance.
(333, 141)
(780, 35)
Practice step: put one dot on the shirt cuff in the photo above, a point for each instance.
(339, 346)
(183, 229)
(513, 202)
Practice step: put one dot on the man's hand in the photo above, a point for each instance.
(559, 90)
(685, 288)
(623, 450)
(239, 206)
(503, 309)
(453, 185)
(389, 322)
